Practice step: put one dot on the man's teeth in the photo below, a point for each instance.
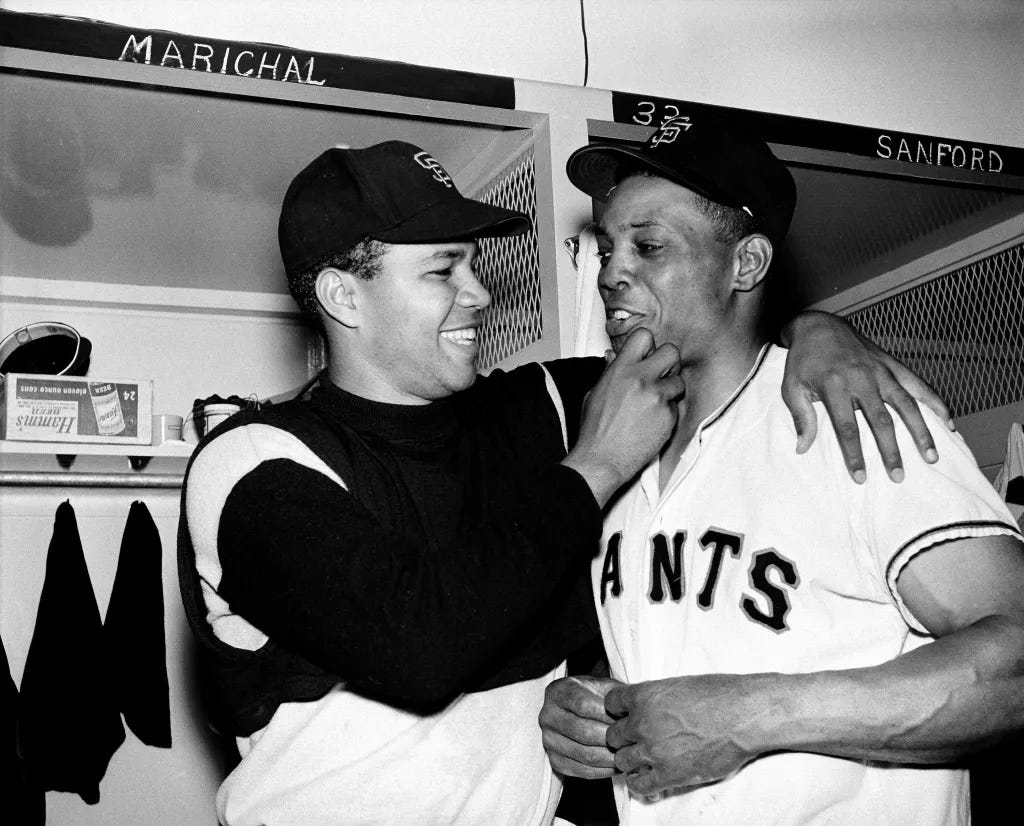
(466, 336)
(620, 315)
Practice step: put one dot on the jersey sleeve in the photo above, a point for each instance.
(950, 499)
(281, 543)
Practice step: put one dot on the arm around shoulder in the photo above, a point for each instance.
(830, 361)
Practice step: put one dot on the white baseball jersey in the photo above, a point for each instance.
(757, 559)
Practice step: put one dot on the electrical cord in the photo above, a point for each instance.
(586, 47)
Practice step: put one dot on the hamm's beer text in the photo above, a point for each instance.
(225, 60)
(48, 418)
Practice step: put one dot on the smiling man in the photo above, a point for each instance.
(787, 647)
(384, 577)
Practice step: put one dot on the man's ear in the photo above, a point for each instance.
(338, 295)
(753, 257)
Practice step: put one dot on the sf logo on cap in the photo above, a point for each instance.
(427, 162)
(670, 129)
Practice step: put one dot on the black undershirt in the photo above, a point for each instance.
(458, 559)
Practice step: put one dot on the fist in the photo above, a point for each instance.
(574, 725)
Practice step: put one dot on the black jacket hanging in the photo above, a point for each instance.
(134, 632)
(70, 724)
(26, 802)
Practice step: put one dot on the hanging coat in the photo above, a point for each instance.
(134, 632)
(70, 724)
(24, 802)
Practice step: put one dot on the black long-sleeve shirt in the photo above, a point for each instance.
(411, 552)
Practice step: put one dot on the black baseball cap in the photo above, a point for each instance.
(706, 154)
(392, 191)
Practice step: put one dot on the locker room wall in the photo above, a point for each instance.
(940, 67)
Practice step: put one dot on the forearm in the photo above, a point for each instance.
(602, 478)
(932, 705)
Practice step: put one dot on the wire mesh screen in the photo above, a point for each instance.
(962, 332)
(510, 269)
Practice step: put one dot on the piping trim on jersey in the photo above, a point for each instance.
(649, 476)
(916, 545)
(218, 467)
(743, 385)
(556, 400)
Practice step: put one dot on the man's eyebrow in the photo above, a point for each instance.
(647, 222)
(452, 254)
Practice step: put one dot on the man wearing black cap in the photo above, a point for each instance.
(766, 619)
(384, 577)
(355, 562)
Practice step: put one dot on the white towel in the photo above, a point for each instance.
(1010, 479)
(590, 338)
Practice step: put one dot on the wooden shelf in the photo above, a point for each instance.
(167, 450)
(58, 464)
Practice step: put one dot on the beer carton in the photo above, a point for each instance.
(39, 408)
